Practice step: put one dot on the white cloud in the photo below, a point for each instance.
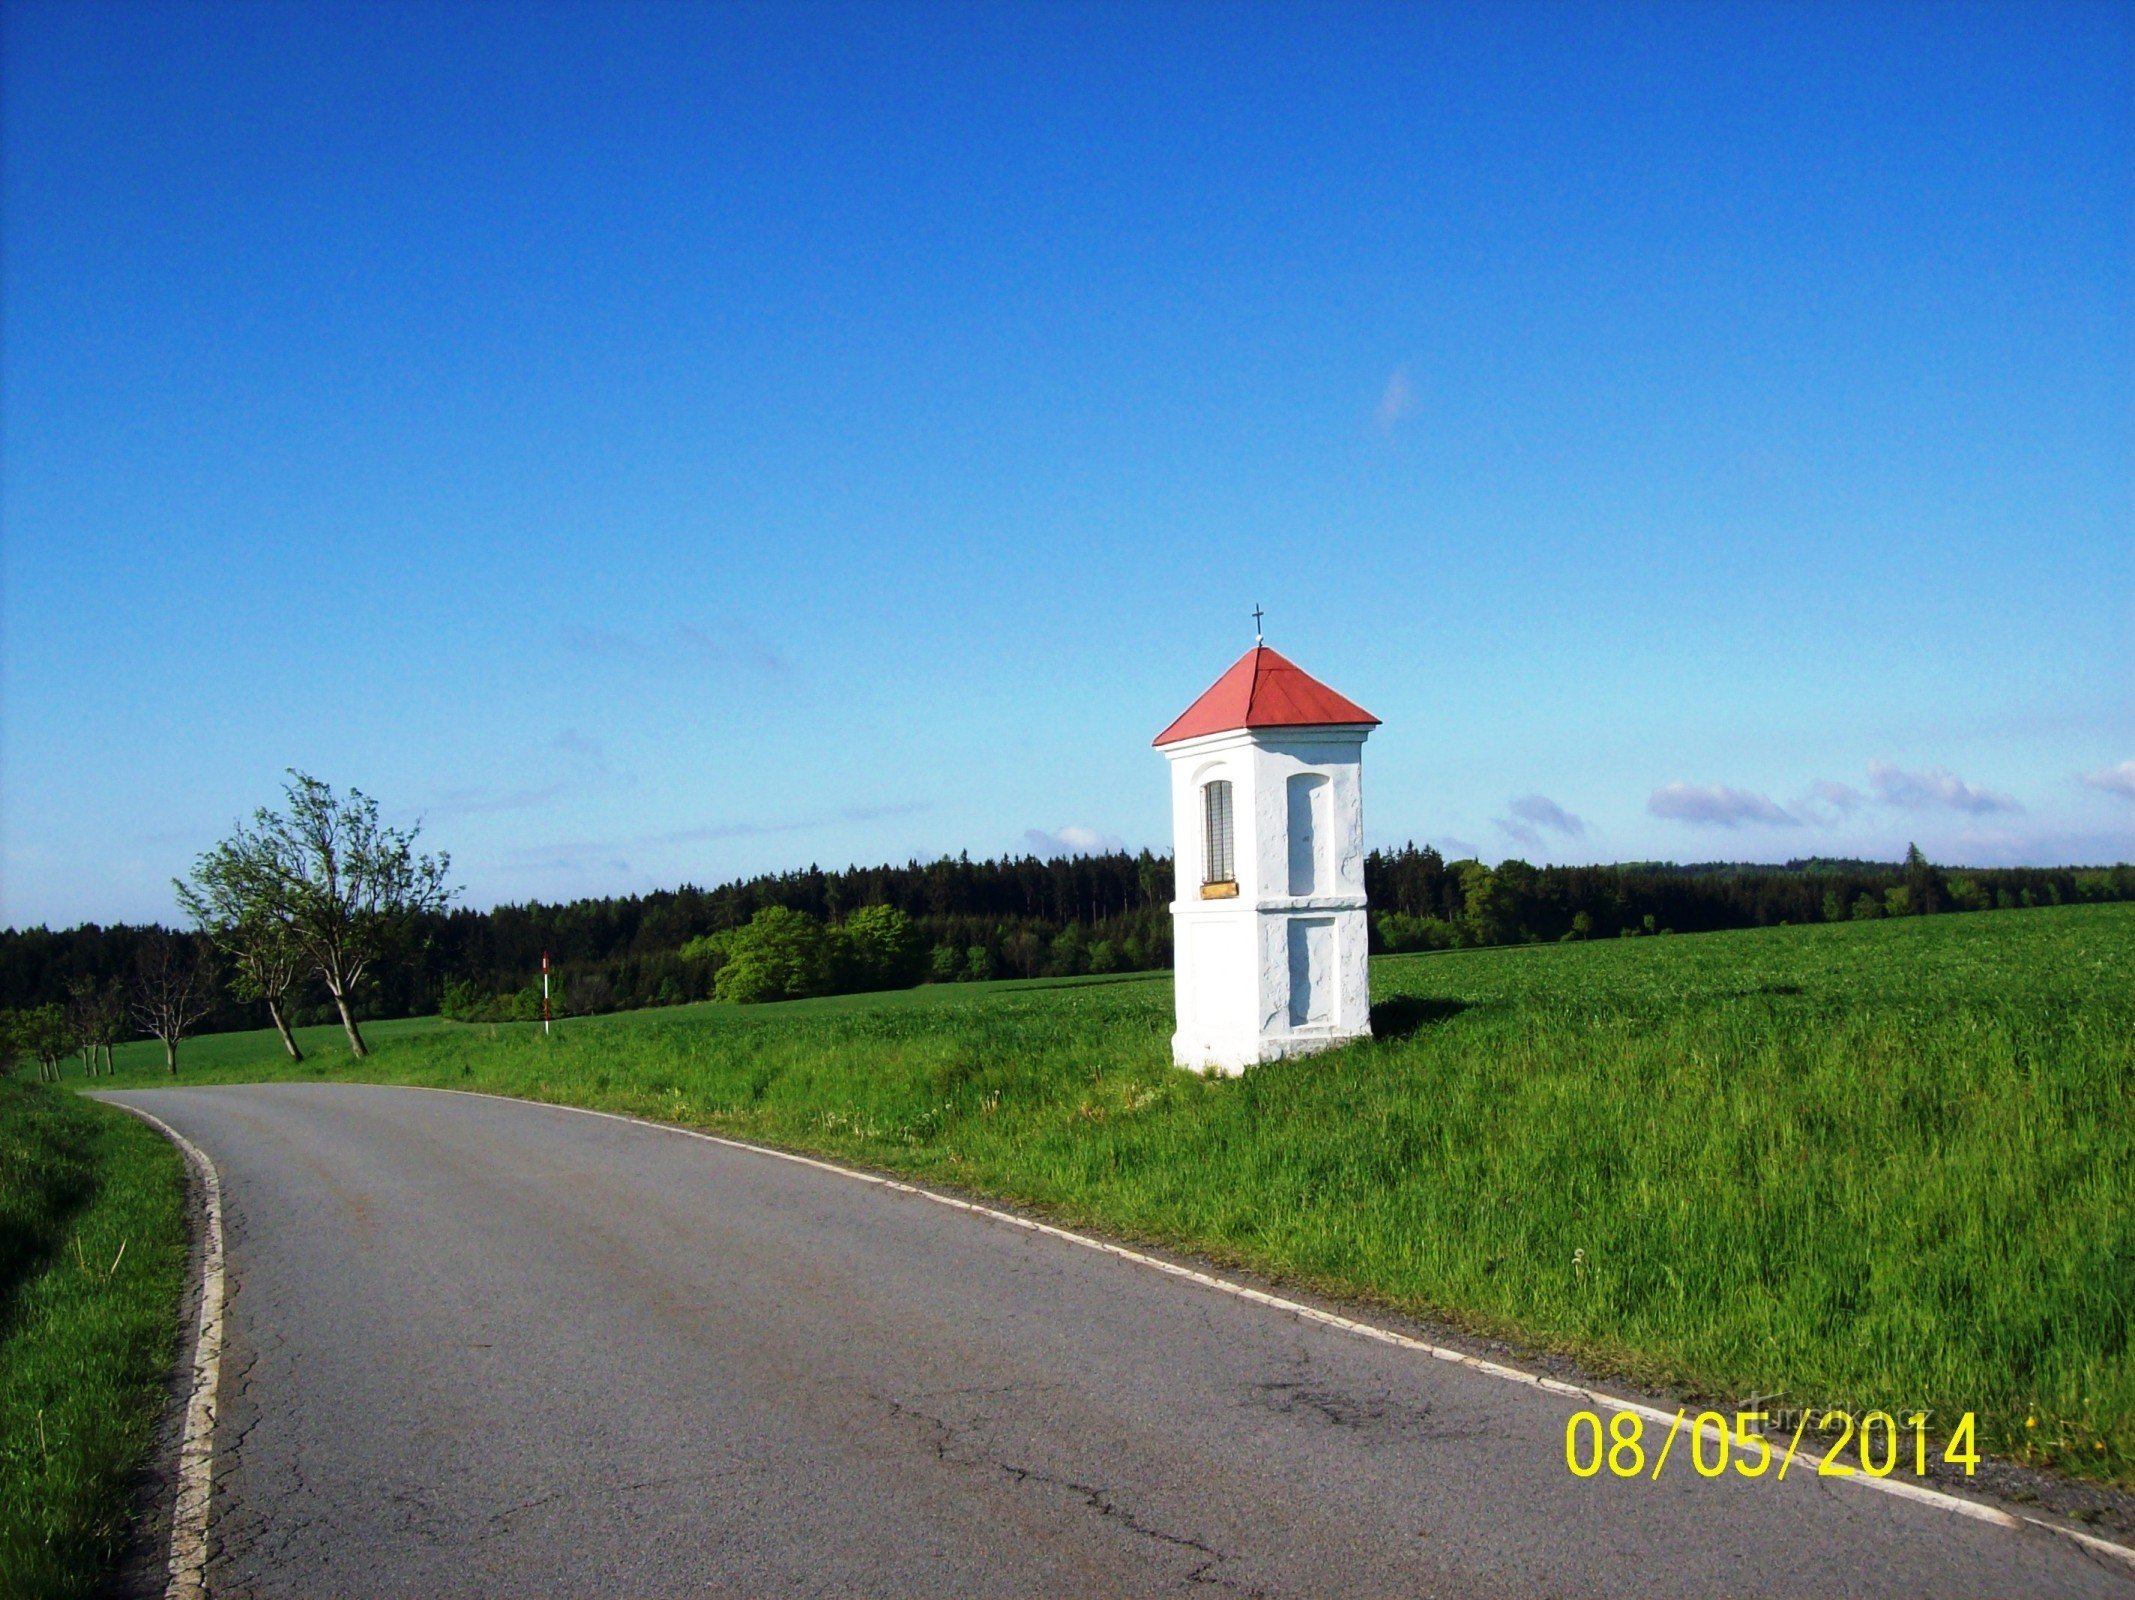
(2118, 780)
(1398, 400)
(1072, 840)
(1936, 787)
(1716, 805)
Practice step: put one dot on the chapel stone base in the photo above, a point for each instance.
(1229, 1057)
(1268, 982)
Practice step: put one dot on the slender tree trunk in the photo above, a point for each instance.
(348, 1022)
(170, 1056)
(281, 1026)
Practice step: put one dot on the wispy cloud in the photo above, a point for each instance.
(727, 646)
(1718, 806)
(713, 832)
(735, 829)
(1540, 811)
(732, 645)
(1396, 401)
(584, 761)
(1934, 788)
(746, 829)
(878, 813)
(1995, 843)
(582, 748)
(595, 641)
(575, 858)
(1827, 803)
(485, 802)
(2118, 780)
(1072, 840)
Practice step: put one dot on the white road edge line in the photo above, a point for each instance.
(1364, 1330)
(196, 1444)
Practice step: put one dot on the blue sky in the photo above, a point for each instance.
(664, 443)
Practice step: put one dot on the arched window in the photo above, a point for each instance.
(1218, 865)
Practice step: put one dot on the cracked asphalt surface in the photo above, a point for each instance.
(482, 1347)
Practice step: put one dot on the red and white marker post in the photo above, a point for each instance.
(544, 994)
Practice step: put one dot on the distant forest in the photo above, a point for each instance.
(1022, 917)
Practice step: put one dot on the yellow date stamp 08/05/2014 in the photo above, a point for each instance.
(1878, 1443)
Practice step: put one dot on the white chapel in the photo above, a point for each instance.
(1267, 812)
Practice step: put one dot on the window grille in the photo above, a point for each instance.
(1217, 865)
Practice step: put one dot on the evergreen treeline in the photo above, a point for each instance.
(1022, 917)
(1421, 901)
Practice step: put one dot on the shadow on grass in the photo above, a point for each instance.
(1404, 1014)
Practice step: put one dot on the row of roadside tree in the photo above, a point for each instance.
(318, 893)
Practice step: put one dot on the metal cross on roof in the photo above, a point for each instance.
(1256, 624)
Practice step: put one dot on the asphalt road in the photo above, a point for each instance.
(488, 1348)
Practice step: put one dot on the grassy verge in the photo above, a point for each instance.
(92, 1268)
(1870, 1166)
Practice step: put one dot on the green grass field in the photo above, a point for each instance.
(1881, 1165)
(92, 1267)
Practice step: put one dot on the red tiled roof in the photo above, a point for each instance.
(1262, 690)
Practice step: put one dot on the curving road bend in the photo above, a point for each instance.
(481, 1347)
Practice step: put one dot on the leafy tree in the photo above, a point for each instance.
(39, 1034)
(344, 887)
(979, 965)
(1582, 925)
(709, 948)
(1024, 950)
(109, 1021)
(781, 955)
(881, 949)
(1488, 907)
(1867, 907)
(1898, 901)
(83, 998)
(1104, 956)
(237, 898)
(96, 1021)
(173, 988)
(1834, 906)
(1070, 953)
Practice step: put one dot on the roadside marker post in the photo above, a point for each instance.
(544, 994)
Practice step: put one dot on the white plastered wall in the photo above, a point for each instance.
(1270, 973)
